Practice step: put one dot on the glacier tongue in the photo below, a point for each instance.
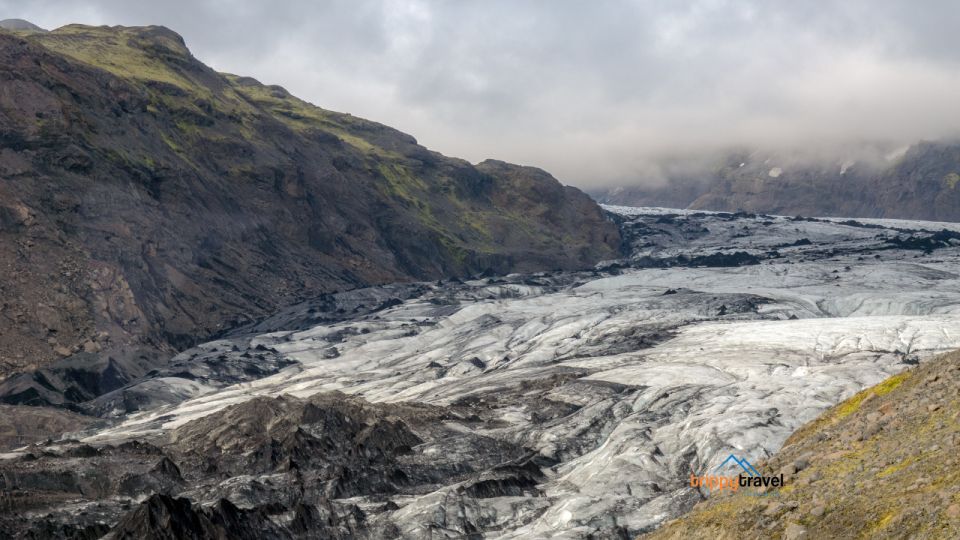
(628, 379)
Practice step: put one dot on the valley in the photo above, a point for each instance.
(555, 404)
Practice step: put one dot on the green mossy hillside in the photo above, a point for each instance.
(883, 464)
(187, 201)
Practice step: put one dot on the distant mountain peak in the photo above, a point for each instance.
(20, 24)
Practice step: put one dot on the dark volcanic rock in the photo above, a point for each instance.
(266, 468)
(78, 378)
(737, 258)
(351, 444)
(926, 242)
(161, 517)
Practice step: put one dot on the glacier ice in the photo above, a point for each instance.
(628, 378)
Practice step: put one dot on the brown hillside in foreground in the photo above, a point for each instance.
(883, 464)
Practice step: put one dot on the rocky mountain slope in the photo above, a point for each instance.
(20, 24)
(919, 182)
(27, 425)
(148, 202)
(883, 464)
(548, 405)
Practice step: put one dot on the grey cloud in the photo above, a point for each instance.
(596, 92)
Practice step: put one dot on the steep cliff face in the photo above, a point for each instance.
(922, 183)
(147, 201)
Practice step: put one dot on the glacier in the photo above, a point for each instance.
(717, 334)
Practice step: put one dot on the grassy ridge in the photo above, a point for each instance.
(882, 464)
(217, 108)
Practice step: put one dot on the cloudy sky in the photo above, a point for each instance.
(593, 91)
